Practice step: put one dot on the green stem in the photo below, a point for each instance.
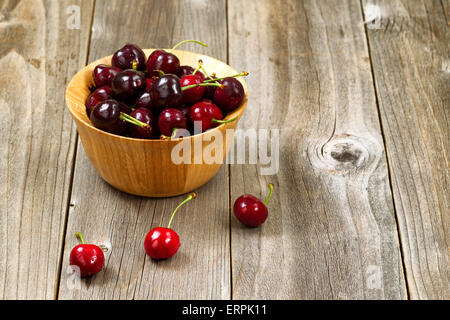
(186, 41)
(200, 63)
(189, 198)
(134, 65)
(203, 84)
(79, 236)
(270, 194)
(223, 121)
(242, 74)
(130, 119)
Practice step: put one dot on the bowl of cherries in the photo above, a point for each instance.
(157, 122)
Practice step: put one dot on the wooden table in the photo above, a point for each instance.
(361, 202)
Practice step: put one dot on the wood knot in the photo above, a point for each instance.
(344, 153)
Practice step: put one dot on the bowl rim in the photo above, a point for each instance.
(70, 103)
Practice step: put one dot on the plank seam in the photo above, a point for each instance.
(385, 150)
(72, 173)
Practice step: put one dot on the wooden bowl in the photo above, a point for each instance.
(144, 167)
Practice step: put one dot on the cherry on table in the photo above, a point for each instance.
(250, 210)
(103, 74)
(207, 114)
(128, 84)
(145, 116)
(88, 258)
(129, 56)
(167, 62)
(170, 119)
(163, 243)
(99, 95)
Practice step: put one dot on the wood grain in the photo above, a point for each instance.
(38, 55)
(446, 6)
(200, 269)
(331, 231)
(411, 62)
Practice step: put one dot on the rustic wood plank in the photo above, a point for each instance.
(200, 270)
(411, 62)
(38, 55)
(446, 6)
(331, 233)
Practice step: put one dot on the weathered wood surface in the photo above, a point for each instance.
(201, 269)
(360, 208)
(332, 231)
(410, 53)
(38, 55)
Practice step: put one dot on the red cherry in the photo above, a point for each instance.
(104, 74)
(230, 96)
(88, 258)
(129, 56)
(99, 95)
(194, 94)
(170, 119)
(149, 84)
(208, 114)
(145, 116)
(250, 210)
(163, 243)
(187, 70)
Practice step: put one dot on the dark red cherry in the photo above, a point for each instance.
(163, 243)
(161, 60)
(126, 56)
(194, 94)
(185, 109)
(188, 70)
(207, 114)
(209, 91)
(146, 116)
(87, 259)
(144, 101)
(99, 95)
(170, 119)
(250, 210)
(230, 96)
(104, 74)
(166, 91)
(128, 84)
(111, 116)
(149, 84)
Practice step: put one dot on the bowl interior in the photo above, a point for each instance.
(78, 88)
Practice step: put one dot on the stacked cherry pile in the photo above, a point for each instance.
(157, 97)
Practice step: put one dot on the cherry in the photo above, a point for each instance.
(99, 95)
(88, 258)
(104, 74)
(149, 84)
(250, 210)
(210, 90)
(230, 96)
(145, 116)
(187, 70)
(128, 57)
(144, 101)
(127, 84)
(194, 94)
(207, 113)
(170, 119)
(111, 116)
(167, 62)
(166, 91)
(185, 109)
(163, 243)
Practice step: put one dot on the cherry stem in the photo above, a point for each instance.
(200, 64)
(160, 73)
(79, 236)
(242, 74)
(186, 41)
(206, 73)
(270, 194)
(223, 121)
(134, 65)
(130, 119)
(203, 84)
(193, 195)
(173, 136)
